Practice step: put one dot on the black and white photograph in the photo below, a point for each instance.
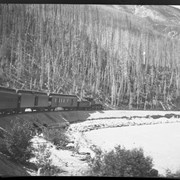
(90, 90)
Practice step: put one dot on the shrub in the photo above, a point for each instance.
(122, 162)
(50, 170)
(44, 161)
(96, 162)
(17, 143)
(57, 137)
(169, 174)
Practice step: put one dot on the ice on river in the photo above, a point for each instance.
(160, 141)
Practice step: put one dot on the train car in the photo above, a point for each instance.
(92, 102)
(67, 102)
(33, 100)
(97, 107)
(41, 102)
(94, 105)
(26, 100)
(84, 105)
(8, 100)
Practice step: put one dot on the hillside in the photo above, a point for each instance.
(122, 55)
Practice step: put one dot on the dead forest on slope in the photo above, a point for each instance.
(84, 50)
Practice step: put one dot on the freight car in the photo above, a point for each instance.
(41, 102)
(17, 101)
(33, 100)
(26, 100)
(8, 100)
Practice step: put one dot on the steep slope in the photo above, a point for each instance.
(8, 168)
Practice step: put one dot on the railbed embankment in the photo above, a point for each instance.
(93, 119)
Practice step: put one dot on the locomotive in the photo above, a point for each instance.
(17, 101)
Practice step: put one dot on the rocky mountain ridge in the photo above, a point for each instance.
(163, 18)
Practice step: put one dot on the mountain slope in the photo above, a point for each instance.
(165, 19)
(118, 54)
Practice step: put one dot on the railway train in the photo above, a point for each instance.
(18, 101)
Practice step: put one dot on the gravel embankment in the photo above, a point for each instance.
(119, 122)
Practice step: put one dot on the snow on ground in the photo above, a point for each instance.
(72, 163)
